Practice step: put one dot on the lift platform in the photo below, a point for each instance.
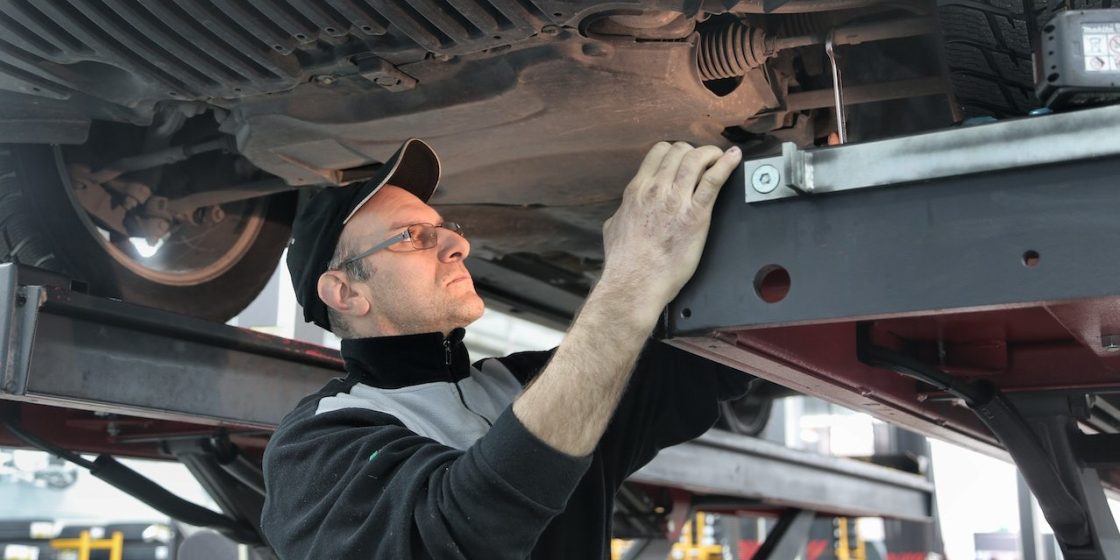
(87, 374)
(963, 283)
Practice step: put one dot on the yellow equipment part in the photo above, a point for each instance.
(84, 544)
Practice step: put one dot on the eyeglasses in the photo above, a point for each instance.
(422, 236)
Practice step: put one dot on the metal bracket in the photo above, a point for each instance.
(384, 74)
(19, 314)
(1040, 433)
(1026, 142)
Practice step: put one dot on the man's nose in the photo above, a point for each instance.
(452, 246)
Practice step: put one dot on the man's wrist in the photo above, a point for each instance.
(626, 302)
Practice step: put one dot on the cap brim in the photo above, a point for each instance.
(414, 167)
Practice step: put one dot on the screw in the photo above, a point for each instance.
(765, 179)
(550, 31)
(325, 80)
(1111, 342)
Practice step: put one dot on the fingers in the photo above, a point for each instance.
(695, 163)
(649, 166)
(715, 177)
(670, 164)
(696, 173)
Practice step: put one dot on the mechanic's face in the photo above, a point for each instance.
(411, 291)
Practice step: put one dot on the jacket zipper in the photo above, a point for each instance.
(451, 375)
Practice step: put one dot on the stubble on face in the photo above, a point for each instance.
(413, 291)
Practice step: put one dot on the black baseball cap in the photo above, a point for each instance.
(414, 167)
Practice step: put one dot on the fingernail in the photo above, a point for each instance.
(733, 150)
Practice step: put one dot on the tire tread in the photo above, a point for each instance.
(987, 47)
(21, 234)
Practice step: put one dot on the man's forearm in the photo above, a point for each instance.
(571, 402)
(652, 245)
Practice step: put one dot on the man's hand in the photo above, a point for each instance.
(653, 244)
(654, 241)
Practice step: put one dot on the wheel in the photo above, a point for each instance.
(749, 414)
(746, 416)
(988, 47)
(207, 271)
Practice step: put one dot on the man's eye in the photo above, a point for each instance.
(428, 236)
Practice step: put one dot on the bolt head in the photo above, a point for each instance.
(325, 80)
(550, 30)
(766, 178)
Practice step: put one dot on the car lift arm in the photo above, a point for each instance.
(913, 228)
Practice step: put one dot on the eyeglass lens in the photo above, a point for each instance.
(423, 236)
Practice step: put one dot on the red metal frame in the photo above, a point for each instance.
(1023, 348)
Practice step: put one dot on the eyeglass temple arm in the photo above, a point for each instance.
(402, 236)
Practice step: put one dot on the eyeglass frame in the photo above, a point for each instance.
(402, 236)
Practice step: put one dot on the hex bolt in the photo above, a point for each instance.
(550, 31)
(325, 80)
(766, 178)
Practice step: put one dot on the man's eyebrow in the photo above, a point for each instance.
(399, 225)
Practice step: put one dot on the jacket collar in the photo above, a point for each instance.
(392, 362)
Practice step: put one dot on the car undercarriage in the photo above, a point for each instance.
(156, 152)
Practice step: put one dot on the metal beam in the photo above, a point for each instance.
(724, 464)
(1015, 237)
(1050, 139)
(72, 350)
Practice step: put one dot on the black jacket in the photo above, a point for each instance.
(416, 454)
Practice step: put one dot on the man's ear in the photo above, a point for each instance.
(338, 293)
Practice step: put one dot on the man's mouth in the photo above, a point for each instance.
(460, 278)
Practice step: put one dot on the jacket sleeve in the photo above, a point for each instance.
(672, 397)
(355, 483)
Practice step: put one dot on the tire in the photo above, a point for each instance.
(208, 273)
(988, 47)
(749, 414)
(746, 416)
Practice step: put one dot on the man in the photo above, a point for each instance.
(419, 454)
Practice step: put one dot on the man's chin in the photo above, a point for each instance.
(471, 309)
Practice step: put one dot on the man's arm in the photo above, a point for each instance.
(355, 483)
(653, 244)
